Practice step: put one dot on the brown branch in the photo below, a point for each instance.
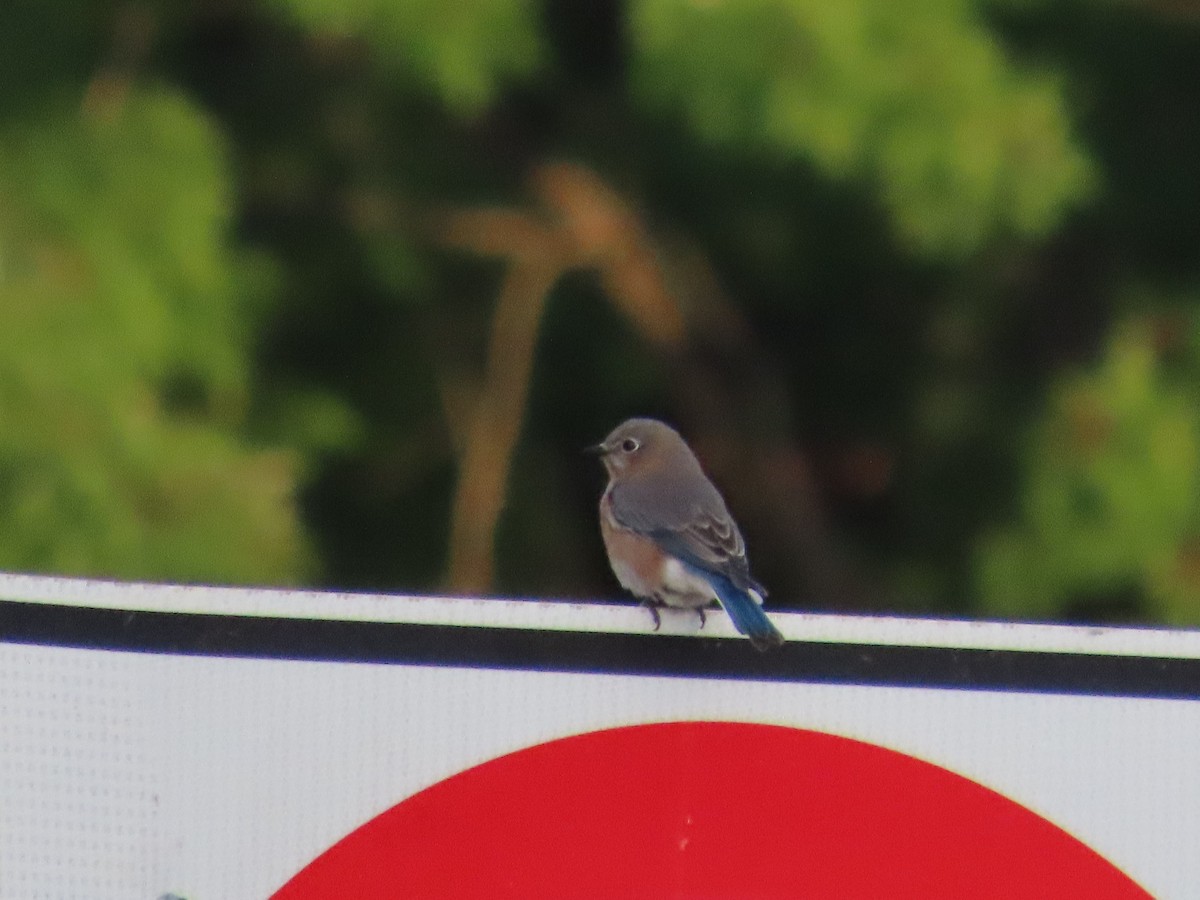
(609, 236)
(583, 224)
(483, 474)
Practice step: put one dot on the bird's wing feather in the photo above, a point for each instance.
(689, 520)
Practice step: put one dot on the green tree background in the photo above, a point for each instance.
(314, 292)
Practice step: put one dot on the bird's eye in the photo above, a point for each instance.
(629, 445)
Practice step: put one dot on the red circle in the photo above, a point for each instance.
(708, 810)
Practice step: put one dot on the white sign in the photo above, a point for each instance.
(219, 744)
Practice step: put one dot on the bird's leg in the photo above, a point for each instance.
(652, 604)
(703, 618)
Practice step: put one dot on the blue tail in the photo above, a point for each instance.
(748, 617)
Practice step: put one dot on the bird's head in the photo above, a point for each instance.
(638, 445)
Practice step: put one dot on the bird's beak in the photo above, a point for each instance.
(596, 450)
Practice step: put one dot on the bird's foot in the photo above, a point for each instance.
(703, 617)
(653, 606)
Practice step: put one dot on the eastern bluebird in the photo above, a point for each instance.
(669, 537)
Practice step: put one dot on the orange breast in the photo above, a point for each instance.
(636, 561)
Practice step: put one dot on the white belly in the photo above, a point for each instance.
(683, 588)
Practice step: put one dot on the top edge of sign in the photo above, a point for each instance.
(562, 615)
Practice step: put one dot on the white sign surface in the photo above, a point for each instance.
(216, 744)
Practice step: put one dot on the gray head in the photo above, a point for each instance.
(643, 445)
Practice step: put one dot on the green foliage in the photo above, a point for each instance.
(1111, 496)
(465, 51)
(124, 340)
(915, 96)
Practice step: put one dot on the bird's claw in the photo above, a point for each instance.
(653, 607)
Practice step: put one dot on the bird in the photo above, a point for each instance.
(669, 537)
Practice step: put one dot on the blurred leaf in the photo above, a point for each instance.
(916, 96)
(124, 337)
(1111, 496)
(313, 421)
(465, 50)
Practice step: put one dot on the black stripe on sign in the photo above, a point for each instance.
(206, 634)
